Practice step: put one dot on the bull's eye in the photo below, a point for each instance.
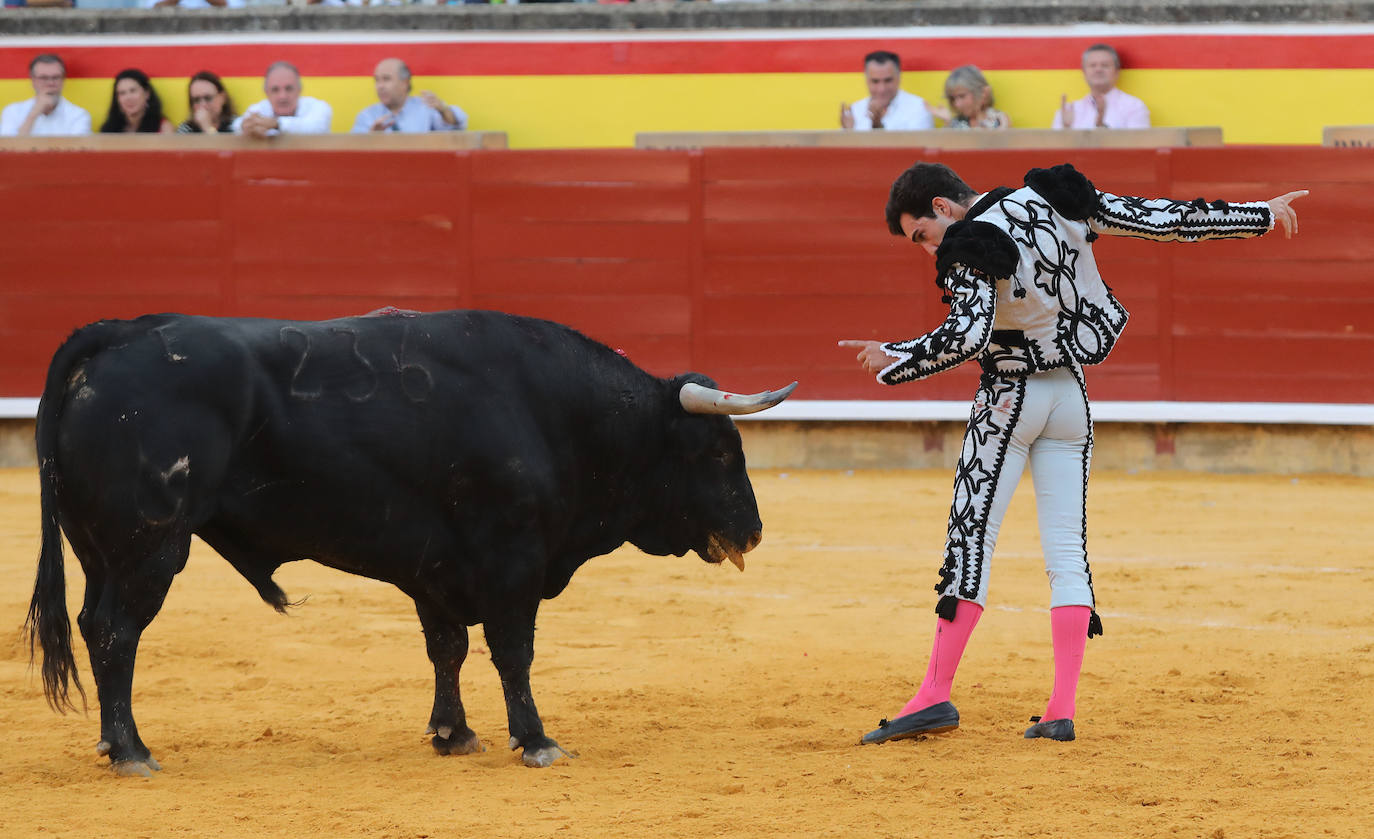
(721, 456)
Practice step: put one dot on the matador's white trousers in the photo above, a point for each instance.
(1042, 420)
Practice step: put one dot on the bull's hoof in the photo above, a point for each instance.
(449, 742)
(135, 768)
(128, 767)
(540, 758)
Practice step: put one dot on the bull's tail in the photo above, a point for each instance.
(48, 625)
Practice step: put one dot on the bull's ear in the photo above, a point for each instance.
(698, 399)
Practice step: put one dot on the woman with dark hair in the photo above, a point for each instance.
(135, 106)
(211, 109)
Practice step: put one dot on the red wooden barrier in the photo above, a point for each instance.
(746, 264)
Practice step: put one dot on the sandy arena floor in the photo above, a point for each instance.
(1230, 697)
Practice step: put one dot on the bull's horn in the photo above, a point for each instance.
(696, 399)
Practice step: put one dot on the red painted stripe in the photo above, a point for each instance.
(612, 57)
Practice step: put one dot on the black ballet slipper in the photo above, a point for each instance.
(1061, 730)
(942, 716)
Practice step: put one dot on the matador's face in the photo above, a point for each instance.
(929, 231)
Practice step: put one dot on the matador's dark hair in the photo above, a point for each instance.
(916, 188)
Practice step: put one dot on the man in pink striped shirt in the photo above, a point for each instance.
(1105, 106)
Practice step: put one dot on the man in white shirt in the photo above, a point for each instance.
(1105, 106)
(47, 114)
(285, 110)
(887, 105)
(397, 110)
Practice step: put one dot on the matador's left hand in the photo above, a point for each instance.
(1283, 214)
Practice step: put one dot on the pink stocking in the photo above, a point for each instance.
(950, 639)
(1069, 628)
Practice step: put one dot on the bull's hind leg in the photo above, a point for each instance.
(511, 638)
(129, 595)
(446, 642)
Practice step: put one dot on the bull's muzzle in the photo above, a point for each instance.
(697, 399)
(720, 549)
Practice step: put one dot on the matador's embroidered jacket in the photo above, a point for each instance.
(1023, 287)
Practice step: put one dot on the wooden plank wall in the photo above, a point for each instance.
(744, 263)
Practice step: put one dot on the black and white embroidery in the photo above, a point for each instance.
(1094, 622)
(1048, 290)
(1041, 308)
(1008, 354)
(1065, 291)
(996, 407)
(963, 335)
(1166, 220)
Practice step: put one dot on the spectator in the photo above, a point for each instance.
(285, 110)
(210, 108)
(970, 101)
(1105, 106)
(47, 114)
(887, 105)
(194, 4)
(135, 106)
(397, 110)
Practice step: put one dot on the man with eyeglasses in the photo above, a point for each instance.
(47, 114)
(285, 110)
(397, 110)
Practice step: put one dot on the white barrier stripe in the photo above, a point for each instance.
(18, 407)
(908, 553)
(1083, 30)
(858, 410)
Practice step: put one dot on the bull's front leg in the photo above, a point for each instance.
(446, 642)
(511, 639)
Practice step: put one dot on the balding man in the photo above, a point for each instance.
(285, 110)
(397, 110)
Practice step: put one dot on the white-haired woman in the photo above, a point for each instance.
(970, 101)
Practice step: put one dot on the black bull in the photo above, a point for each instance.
(472, 459)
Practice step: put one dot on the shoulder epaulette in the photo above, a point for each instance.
(1071, 194)
(979, 245)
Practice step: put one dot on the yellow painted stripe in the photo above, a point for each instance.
(1252, 106)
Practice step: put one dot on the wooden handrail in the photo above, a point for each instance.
(380, 141)
(1348, 135)
(1015, 138)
